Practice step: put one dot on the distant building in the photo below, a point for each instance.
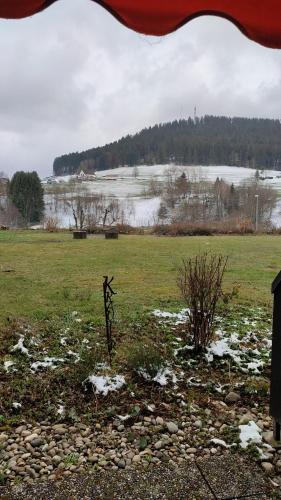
(85, 177)
(4, 180)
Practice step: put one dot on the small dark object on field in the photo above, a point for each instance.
(4, 228)
(8, 270)
(200, 283)
(79, 235)
(111, 234)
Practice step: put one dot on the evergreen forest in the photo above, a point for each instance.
(210, 140)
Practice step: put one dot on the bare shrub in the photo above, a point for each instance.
(200, 283)
(237, 225)
(183, 229)
(51, 224)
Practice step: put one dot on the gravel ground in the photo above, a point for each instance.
(219, 477)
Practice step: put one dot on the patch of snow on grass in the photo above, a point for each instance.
(237, 342)
(103, 384)
(253, 366)
(46, 363)
(222, 347)
(250, 433)
(123, 418)
(16, 405)
(262, 454)
(7, 365)
(75, 354)
(61, 410)
(180, 317)
(163, 376)
(20, 347)
(221, 442)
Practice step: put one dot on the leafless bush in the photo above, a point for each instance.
(236, 225)
(183, 229)
(9, 214)
(200, 283)
(51, 224)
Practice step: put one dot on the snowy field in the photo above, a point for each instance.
(123, 184)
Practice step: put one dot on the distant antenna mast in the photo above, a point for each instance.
(195, 114)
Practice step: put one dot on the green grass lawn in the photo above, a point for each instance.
(54, 274)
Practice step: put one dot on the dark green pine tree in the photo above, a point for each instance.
(27, 194)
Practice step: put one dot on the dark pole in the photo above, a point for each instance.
(109, 313)
(275, 379)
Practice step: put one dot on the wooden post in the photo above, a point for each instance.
(275, 381)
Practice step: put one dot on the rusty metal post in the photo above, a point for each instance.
(109, 313)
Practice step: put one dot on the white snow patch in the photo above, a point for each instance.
(162, 377)
(180, 317)
(105, 384)
(250, 433)
(253, 366)
(20, 347)
(7, 365)
(124, 417)
(46, 363)
(262, 454)
(221, 442)
(16, 405)
(221, 348)
(75, 354)
(61, 410)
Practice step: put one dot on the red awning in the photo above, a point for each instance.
(260, 20)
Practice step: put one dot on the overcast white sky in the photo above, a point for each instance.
(73, 78)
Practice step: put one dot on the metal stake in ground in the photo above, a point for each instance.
(109, 313)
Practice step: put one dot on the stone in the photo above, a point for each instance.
(31, 472)
(191, 450)
(56, 459)
(245, 419)
(3, 437)
(267, 467)
(37, 442)
(232, 397)
(269, 439)
(30, 438)
(93, 458)
(278, 465)
(20, 429)
(159, 421)
(172, 427)
(25, 433)
(159, 445)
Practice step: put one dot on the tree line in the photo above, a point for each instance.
(210, 140)
(189, 198)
